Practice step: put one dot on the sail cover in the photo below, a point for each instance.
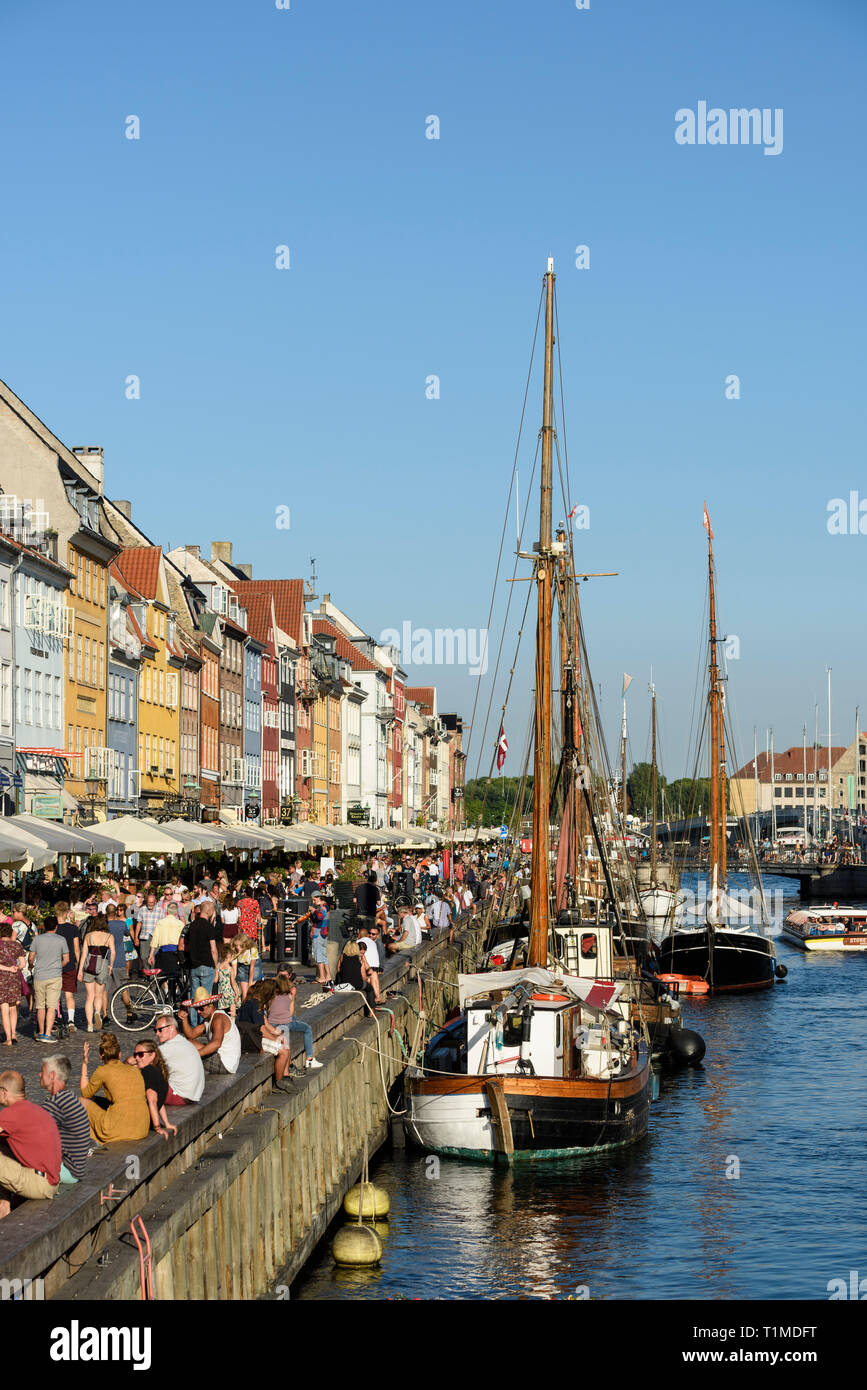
(598, 994)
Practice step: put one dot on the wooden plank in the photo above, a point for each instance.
(164, 1280)
(195, 1262)
(501, 1122)
(245, 1217)
(210, 1255)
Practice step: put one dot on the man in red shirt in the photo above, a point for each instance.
(30, 1154)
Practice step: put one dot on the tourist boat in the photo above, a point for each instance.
(729, 955)
(827, 928)
(538, 1064)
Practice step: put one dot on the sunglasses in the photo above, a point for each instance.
(163, 1029)
(142, 1054)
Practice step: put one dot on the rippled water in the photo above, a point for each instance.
(783, 1090)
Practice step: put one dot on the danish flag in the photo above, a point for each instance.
(502, 749)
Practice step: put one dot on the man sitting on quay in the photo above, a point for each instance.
(221, 1050)
(183, 1063)
(69, 1114)
(30, 1153)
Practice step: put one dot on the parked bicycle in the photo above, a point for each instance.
(148, 999)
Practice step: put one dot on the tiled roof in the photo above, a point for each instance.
(345, 649)
(259, 617)
(140, 567)
(33, 553)
(288, 596)
(790, 760)
(421, 695)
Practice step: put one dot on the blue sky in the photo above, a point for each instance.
(410, 257)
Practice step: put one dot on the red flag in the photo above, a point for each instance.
(502, 749)
(706, 523)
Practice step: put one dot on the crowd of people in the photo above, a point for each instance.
(76, 934)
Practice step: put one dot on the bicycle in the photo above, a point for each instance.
(147, 1000)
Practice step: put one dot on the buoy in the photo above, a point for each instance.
(686, 1046)
(370, 1200)
(356, 1245)
(781, 972)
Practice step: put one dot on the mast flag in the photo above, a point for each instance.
(706, 523)
(627, 681)
(502, 749)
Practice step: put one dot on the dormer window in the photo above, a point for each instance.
(778, 776)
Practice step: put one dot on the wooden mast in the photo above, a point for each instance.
(715, 723)
(653, 784)
(537, 952)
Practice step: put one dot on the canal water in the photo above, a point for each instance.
(749, 1183)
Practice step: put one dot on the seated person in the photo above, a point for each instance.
(216, 1038)
(259, 1035)
(126, 1116)
(30, 1153)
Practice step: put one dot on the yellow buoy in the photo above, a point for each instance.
(372, 1201)
(357, 1245)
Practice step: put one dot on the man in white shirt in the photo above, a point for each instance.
(372, 944)
(184, 1065)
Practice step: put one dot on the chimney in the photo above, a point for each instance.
(124, 507)
(245, 569)
(93, 459)
(221, 550)
(193, 550)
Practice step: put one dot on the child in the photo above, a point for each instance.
(225, 984)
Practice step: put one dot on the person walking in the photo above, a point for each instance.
(95, 965)
(12, 954)
(47, 958)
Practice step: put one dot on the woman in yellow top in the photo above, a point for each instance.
(127, 1117)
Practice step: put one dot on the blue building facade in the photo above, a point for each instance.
(124, 661)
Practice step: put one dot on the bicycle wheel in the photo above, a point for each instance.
(144, 1003)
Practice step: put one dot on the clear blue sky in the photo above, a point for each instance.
(410, 257)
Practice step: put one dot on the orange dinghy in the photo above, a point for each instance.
(685, 984)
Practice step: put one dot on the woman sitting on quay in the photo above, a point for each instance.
(150, 1062)
(126, 1116)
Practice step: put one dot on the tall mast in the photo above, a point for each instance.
(537, 953)
(805, 788)
(773, 795)
(653, 783)
(714, 697)
(623, 738)
(830, 793)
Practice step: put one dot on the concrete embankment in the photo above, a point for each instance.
(254, 1176)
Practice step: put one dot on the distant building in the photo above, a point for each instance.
(791, 784)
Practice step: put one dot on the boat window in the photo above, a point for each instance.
(588, 946)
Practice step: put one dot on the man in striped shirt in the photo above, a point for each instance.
(69, 1114)
(146, 919)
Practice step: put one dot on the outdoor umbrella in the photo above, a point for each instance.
(84, 839)
(140, 836)
(14, 854)
(211, 837)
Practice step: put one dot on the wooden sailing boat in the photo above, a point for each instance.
(537, 1065)
(728, 956)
